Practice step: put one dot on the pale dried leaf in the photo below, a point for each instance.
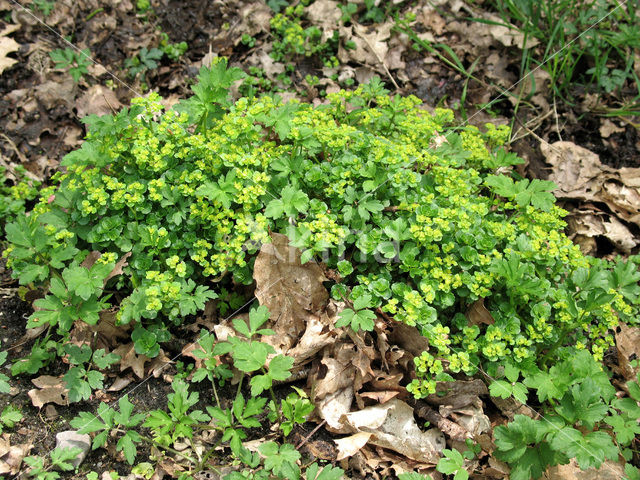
(52, 94)
(50, 390)
(7, 46)
(348, 446)
(580, 175)
(459, 393)
(609, 470)
(120, 383)
(334, 407)
(393, 426)
(607, 128)
(380, 397)
(509, 36)
(11, 455)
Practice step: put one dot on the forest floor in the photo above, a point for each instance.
(583, 138)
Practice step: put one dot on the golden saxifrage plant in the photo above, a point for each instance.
(420, 218)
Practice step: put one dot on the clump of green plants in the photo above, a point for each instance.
(584, 420)
(145, 60)
(181, 420)
(418, 224)
(292, 40)
(75, 62)
(43, 6)
(173, 50)
(421, 220)
(60, 460)
(15, 193)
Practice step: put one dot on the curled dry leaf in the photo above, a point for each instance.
(393, 426)
(470, 417)
(586, 225)
(49, 390)
(609, 470)
(129, 358)
(459, 393)
(326, 15)
(478, 314)
(348, 446)
(98, 100)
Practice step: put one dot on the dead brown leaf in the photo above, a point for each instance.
(129, 358)
(324, 14)
(117, 269)
(98, 100)
(348, 446)
(393, 426)
(585, 225)
(607, 128)
(580, 175)
(292, 292)
(11, 455)
(478, 314)
(50, 390)
(7, 46)
(52, 94)
(628, 345)
(609, 470)
(459, 393)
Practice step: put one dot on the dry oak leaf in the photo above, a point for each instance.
(129, 358)
(50, 389)
(371, 48)
(292, 292)
(7, 46)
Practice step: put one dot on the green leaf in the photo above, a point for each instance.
(500, 388)
(222, 191)
(103, 360)
(251, 356)
(62, 458)
(451, 462)
(280, 366)
(10, 416)
(363, 301)
(127, 444)
(78, 355)
(328, 472)
(260, 383)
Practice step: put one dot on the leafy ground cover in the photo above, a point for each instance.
(315, 256)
